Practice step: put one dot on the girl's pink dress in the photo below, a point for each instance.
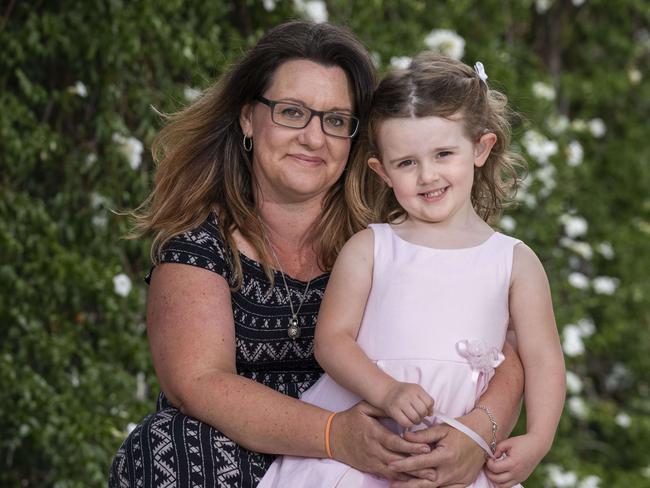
(436, 317)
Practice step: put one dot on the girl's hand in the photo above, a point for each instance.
(523, 454)
(406, 403)
(359, 440)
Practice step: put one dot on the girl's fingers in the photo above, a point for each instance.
(500, 479)
(421, 408)
(428, 402)
(497, 466)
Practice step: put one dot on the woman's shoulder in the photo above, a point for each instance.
(202, 246)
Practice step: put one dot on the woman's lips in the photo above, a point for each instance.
(307, 159)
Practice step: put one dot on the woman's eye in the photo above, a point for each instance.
(292, 112)
(335, 121)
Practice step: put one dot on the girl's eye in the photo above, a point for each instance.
(405, 163)
(444, 154)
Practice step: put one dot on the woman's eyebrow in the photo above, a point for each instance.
(300, 102)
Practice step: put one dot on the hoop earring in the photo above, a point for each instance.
(247, 143)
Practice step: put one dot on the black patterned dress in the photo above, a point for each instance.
(170, 449)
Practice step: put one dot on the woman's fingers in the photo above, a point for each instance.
(397, 444)
(426, 474)
(417, 462)
(427, 436)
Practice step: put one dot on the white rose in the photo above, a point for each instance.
(606, 249)
(191, 94)
(587, 327)
(572, 341)
(543, 5)
(583, 249)
(539, 146)
(578, 407)
(557, 124)
(605, 285)
(575, 153)
(597, 127)
(122, 284)
(591, 481)
(400, 62)
(623, 420)
(446, 42)
(560, 478)
(507, 223)
(79, 89)
(635, 76)
(543, 91)
(574, 225)
(573, 382)
(314, 10)
(131, 148)
(578, 280)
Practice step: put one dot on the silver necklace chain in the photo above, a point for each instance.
(293, 331)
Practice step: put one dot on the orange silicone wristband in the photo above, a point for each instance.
(328, 425)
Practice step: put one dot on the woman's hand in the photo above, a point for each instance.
(406, 403)
(359, 440)
(455, 458)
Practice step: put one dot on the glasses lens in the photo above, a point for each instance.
(339, 125)
(297, 117)
(291, 115)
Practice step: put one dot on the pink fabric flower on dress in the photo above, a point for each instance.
(481, 357)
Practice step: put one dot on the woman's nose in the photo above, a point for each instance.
(312, 134)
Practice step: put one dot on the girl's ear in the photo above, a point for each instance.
(246, 119)
(378, 168)
(483, 147)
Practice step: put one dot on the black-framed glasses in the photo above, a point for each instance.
(296, 116)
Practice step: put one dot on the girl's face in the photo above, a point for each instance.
(429, 163)
(293, 165)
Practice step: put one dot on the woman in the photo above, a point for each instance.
(250, 193)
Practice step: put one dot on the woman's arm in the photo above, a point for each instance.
(191, 335)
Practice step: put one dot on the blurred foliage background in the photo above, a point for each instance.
(78, 81)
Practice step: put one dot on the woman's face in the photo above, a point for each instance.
(294, 165)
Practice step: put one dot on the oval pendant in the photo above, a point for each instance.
(293, 331)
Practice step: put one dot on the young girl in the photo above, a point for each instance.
(417, 309)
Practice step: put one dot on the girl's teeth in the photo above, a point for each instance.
(436, 193)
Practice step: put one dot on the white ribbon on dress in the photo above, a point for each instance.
(481, 357)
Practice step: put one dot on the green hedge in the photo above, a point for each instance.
(78, 82)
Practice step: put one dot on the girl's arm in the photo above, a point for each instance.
(336, 348)
(190, 329)
(538, 343)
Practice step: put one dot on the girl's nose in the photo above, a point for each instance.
(428, 173)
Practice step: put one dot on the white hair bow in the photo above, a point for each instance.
(480, 71)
